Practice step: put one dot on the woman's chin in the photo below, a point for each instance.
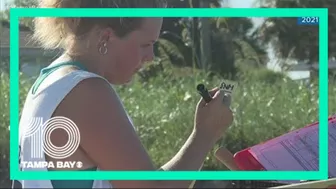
(123, 81)
(128, 81)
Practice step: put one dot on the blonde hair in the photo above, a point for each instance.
(57, 32)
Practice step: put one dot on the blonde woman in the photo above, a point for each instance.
(100, 53)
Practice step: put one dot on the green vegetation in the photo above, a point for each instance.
(163, 107)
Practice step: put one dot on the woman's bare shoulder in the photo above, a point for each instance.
(107, 135)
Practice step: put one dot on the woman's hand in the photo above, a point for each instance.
(213, 118)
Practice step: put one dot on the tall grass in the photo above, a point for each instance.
(163, 108)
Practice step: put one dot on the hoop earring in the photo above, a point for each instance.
(103, 49)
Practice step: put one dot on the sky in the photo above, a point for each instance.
(234, 4)
(3, 3)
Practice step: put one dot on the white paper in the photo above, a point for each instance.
(297, 151)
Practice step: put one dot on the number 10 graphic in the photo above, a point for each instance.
(39, 132)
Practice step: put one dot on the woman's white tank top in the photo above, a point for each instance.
(41, 106)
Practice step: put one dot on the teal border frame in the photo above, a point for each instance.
(322, 13)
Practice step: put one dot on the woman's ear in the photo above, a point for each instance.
(107, 35)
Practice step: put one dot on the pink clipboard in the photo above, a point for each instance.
(295, 151)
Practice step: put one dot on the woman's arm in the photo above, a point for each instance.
(109, 139)
(191, 156)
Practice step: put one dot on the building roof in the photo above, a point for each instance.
(25, 36)
(28, 47)
(315, 66)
